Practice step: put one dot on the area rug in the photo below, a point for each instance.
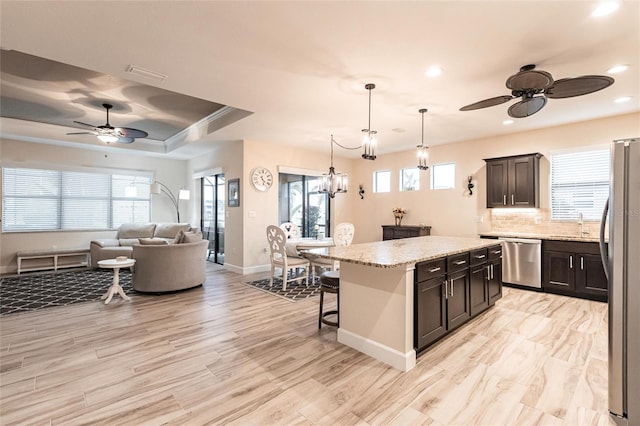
(295, 292)
(33, 292)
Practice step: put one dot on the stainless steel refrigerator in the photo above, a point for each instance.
(622, 265)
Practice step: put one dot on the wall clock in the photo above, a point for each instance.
(261, 178)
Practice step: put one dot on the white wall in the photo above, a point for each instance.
(170, 172)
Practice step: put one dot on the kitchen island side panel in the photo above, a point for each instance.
(376, 312)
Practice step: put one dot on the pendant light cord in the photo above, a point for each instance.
(342, 146)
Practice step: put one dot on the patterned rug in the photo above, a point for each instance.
(295, 292)
(33, 292)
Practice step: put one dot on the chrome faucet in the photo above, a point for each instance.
(581, 222)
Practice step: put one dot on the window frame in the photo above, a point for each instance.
(375, 181)
(590, 214)
(433, 179)
(401, 178)
(65, 200)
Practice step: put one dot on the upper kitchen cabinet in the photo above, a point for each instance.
(513, 181)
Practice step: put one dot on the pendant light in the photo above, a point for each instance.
(332, 182)
(423, 150)
(369, 140)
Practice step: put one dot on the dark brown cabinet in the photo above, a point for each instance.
(574, 269)
(442, 298)
(394, 232)
(485, 278)
(513, 181)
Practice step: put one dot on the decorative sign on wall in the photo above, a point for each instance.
(234, 192)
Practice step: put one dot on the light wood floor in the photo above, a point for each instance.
(228, 353)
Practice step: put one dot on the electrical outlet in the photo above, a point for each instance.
(264, 250)
(479, 219)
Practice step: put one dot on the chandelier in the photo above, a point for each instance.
(369, 140)
(422, 150)
(332, 182)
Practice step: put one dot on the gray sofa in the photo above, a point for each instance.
(128, 235)
(171, 267)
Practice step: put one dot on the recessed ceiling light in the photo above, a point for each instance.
(605, 8)
(433, 71)
(507, 122)
(617, 68)
(622, 99)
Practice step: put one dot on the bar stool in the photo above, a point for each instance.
(329, 283)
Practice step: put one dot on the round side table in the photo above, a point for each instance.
(115, 286)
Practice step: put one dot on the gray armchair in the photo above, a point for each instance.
(162, 268)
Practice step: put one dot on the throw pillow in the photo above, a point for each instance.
(191, 237)
(152, 242)
(179, 237)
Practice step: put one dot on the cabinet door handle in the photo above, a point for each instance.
(446, 289)
(436, 269)
(488, 272)
(513, 203)
(504, 200)
(581, 263)
(480, 256)
(496, 252)
(459, 262)
(451, 287)
(571, 262)
(492, 271)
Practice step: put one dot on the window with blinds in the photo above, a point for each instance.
(579, 184)
(52, 200)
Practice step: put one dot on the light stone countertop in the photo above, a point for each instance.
(555, 237)
(393, 253)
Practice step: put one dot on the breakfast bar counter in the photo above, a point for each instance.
(377, 292)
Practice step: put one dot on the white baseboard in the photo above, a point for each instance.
(247, 270)
(396, 359)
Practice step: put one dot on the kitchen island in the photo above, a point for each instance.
(377, 281)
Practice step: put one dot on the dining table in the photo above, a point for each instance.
(295, 246)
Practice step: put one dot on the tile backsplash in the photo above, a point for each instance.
(537, 221)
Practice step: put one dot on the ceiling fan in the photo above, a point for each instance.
(107, 133)
(530, 82)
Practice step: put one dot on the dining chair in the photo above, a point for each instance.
(342, 237)
(291, 229)
(279, 260)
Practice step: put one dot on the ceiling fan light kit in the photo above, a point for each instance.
(109, 134)
(534, 87)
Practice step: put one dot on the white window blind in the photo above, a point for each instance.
(382, 181)
(579, 184)
(443, 176)
(49, 200)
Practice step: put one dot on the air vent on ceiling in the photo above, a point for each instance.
(141, 72)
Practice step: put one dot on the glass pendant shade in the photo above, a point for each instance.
(423, 157)
(369, 143)
(369, 139)
(422, 153)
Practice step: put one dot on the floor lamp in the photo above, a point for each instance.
(183, 194)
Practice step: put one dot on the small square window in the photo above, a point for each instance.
(382, 181)
(409, 179)
(443, 176)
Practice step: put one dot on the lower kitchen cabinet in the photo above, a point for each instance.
(573, 269)
(494, 271)
(395, 232)
(451, 290)
(485, 278)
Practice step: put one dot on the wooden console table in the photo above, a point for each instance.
(394, 232)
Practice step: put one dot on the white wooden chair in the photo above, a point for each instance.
(291, 229)
(279, 259)
(342, 237)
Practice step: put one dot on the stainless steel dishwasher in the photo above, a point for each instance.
(521, 262)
